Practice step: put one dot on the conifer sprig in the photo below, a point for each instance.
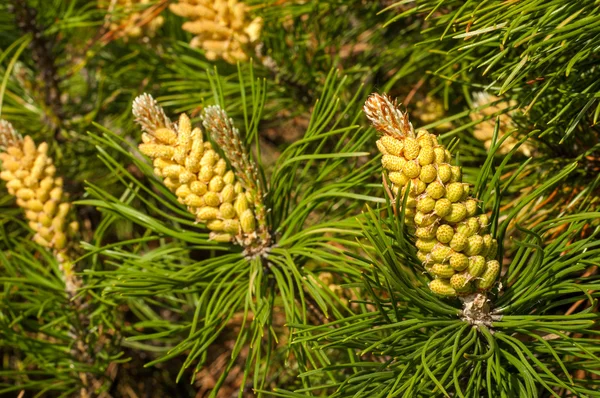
(451, 238)
(200, 177)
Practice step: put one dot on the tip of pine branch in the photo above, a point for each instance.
(149, 114)
(8, 135)
(386, 116)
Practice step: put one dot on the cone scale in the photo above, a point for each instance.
(450, 233)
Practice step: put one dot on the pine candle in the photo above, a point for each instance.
(29, 173)
(197, 174)
(451, 236)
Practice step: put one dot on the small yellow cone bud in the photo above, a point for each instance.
(456, 174)
(411, 148)
(381, 148)
(228, 193)
(426, 232)
(60, 241)
(207, 213)
(183, 191)
(241, 204)
(209, 158)
(186, 177)
(473, 225)
(212, 199)
(392, 145)
(194, 200)
(426, 156)
(411, 169)
(232, 226)
(198, 187)
(221, 237)
(442, 287)
(35, 205)
(215, 225)
(157, 150)
(476, 265)
(428, 173)
(166, 136)
(459, 242)
(444, 173)
(444, 233)
(426, 204)
(425, 245)
(459, 261)
(247, 221)
(492, 269)
(454, 191)
(424, 138)
(392, 163)
(459, 281)
(458, 212)
(440, 155)
(474, 245)
(441, 270)
(424, 220)
(216, 184)
(436, 190)
(443, 207)
(220, 168)
(440, 253)
(206, 174)
(227, 211)
(229, 177)
(424, 258)
(398, 178)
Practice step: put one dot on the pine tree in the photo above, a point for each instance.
(299, 198)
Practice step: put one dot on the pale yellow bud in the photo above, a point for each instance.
(216, 184)
(247, 221)
(227, 211)
(229, 177)
(60, 240)
(228, 193)
(215, 225)
(31, 215)
(35, 205)
(220, 167)
(206, 173)
(25, 193)
(212, 199)
(157, 150)
(183, 191)
(221, 237)
(193, 200)
(172, 171)
(198, 187)
(209, 158)
(166, 136)
(207, 213)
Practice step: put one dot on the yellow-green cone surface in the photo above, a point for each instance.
(451, 236)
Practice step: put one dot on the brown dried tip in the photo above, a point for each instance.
(386, 116)
(8, 135)
(149, 115)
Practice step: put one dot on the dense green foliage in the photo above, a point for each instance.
(339, 307)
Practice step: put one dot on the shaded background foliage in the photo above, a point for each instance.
(333, 289)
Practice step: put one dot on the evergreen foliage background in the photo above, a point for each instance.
(340, 305)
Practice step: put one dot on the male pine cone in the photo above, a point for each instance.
(30, 176)
(195, 172)
(450, 233)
